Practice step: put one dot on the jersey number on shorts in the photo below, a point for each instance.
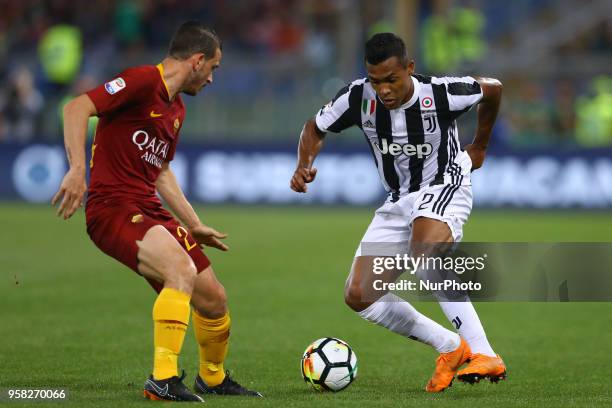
(427, 198)
(182, 233)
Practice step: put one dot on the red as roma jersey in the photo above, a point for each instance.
(137, 132)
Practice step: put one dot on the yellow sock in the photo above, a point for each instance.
(170, 320)
(213, 337)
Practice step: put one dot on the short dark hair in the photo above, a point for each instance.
(383, 46)
(191, 38)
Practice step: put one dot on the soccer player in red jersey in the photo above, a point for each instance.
(141, 113)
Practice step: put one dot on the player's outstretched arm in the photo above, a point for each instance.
(73, 187)
(311, 141)
(487, 113)
(173, 195)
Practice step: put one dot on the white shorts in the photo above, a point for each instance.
(392, 222)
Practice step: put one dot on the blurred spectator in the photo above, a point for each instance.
(451, 37)
(594, 127)
(564, 112)
(20, 108)
(280, 54)
(128, 22)
(530, 114)
(60, 52)
(275, 30)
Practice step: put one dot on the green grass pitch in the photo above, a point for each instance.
(74, 318)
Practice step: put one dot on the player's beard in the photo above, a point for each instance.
(190, 92)
(191, 89)
(194, 87)
(191, 86)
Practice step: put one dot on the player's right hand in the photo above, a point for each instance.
(301, 177)
(209, 236)
(71, 192)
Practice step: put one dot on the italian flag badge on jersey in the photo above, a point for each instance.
(368, 106)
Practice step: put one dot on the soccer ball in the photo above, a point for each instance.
(329, 364)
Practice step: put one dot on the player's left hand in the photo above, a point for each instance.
(209, 236)
(71, 193)
(477, 154)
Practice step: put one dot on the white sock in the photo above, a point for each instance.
(463, 316)
(397, 315)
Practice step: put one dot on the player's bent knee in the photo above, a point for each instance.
(186, 272)
(219, 302)
(180, 273)
(354, 297)
(212, 304)
(429, 231)
(161, 257)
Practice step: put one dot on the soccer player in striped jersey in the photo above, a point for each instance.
(409, 122)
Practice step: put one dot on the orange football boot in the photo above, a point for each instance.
(481, 366)
(447, 365)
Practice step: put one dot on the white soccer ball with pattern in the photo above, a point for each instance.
(329, 364)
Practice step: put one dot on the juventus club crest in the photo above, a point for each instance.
(430, 123)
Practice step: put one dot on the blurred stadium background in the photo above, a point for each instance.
(284, 59)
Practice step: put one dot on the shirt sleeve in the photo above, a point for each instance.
(339, 113)
(462, 93)
(128, 88)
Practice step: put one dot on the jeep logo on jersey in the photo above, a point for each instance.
(395, 149)
(155, 151)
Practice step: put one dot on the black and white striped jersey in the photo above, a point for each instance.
(415, 145)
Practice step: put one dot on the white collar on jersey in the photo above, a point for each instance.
(415, 94)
